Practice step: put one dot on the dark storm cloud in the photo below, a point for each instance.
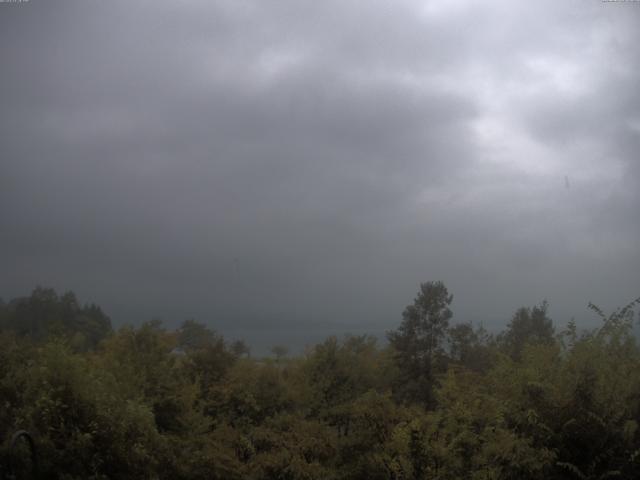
(259, 164)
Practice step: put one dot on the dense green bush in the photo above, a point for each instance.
(147, 403)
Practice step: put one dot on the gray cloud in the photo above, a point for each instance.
(302, 166)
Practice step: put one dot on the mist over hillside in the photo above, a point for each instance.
(336, 240)
(253, 165)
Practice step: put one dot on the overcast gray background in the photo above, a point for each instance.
(285, 170)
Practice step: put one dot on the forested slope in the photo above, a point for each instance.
(440, 401)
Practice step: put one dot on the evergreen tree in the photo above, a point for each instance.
(418, 342)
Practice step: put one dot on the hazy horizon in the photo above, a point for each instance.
(295, 169)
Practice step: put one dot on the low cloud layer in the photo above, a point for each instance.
(302, 165)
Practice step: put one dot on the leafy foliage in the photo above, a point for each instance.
(528, 325)
(45, 314)
(439, 402)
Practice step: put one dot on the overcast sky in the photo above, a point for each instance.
(290, 169)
